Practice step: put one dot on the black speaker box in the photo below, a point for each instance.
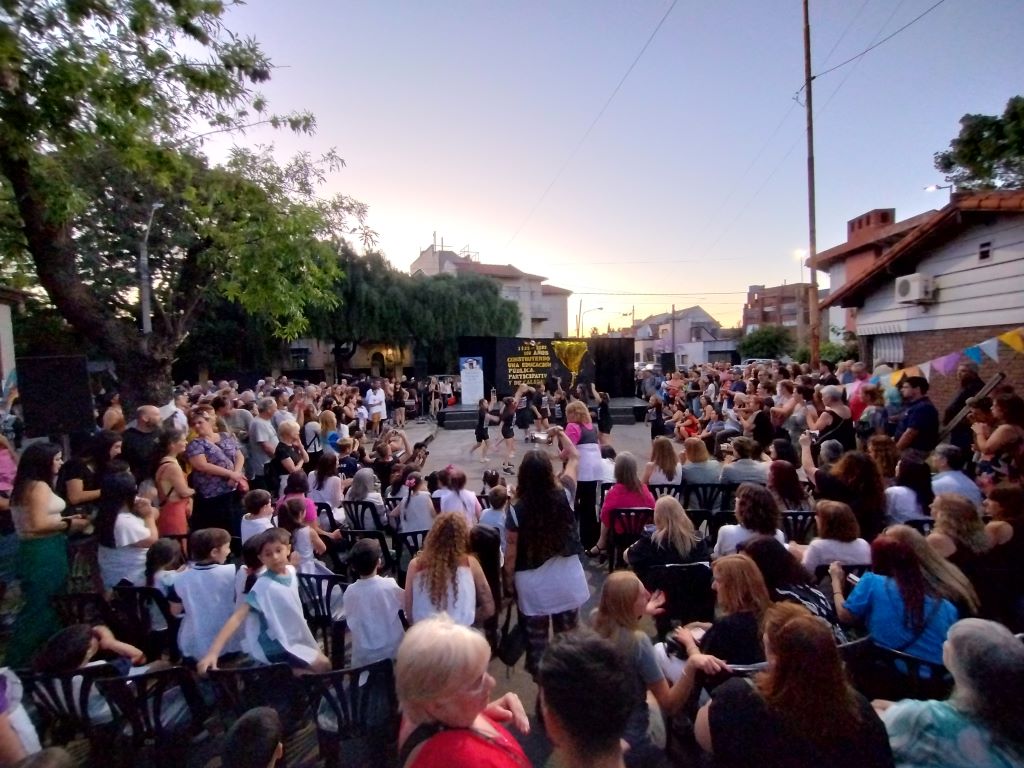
(55, 396)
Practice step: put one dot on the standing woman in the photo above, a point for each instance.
(1005, 444)
(508, 431)
(42, 549)
(483, 418)
(217, 474)
(83, 474)
(172, 489)
(585, 437)
(604, 415)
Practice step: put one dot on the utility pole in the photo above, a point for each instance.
(812, 244)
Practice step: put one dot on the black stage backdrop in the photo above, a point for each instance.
(508, 362)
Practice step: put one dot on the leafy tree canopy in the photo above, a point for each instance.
(768, 341)
(988, 152)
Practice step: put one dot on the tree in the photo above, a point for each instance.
(768, 341)
(100, 101)
(988, 152)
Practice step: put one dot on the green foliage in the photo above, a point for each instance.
(988, 152)
(768, 341)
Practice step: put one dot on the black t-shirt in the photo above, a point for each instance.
(646, 554)
(382, 469)
(275, 467)
(745, 732)
(735, 638)
(348, 466)
(137, 448)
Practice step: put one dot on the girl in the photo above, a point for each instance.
(664, 467)
(296, 487)
(305, 543)
(164, 561)
(483, 418)
(416, 512)
(656, 417)
(458, 499)
(126, 525)
(604, 415)
(325, 486)
(508, 431)
(173, 493)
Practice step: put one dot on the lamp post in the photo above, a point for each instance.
(145, 289)
(937, 187)
(579, 320)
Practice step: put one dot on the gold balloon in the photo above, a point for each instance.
(571, 353)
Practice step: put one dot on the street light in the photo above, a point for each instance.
(145, 289)
(937, 187)
(579, 320)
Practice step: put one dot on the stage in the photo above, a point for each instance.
(624, 410)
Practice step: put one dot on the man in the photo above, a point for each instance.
(827, 374)
(585, 663)
(263, 441)
(140, 440)
(179, 405)
(860, 378)
(745, 469)
(919, 428)
(281, 412)
(375, 406)
(970, 384)
(948, 462)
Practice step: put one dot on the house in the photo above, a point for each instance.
(954, 280)
(543, 308)
(698, 338)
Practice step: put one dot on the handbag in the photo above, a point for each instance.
(512, 640)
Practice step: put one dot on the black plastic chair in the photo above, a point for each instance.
(62, 702)
(605, 487)
(325, 516)
(688, 593)
(392, 502)
(625, 528)
(922, 525)
(666, 489)
(363, 515)
(882, 673)
(139, 604)
(355, 709)
(84, 608)
(148, 705)
(710, 497)
(389, 556)
(239, 689)
(317, 593)
(797, 524)
(409, 543)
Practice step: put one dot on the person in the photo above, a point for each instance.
(586, 438)
(784, 484)
(970, 385)
(140, 442)
(943, 578)
(363, 488)
(18, 736)
(312, 439)
(81, 477)
(542, 568)
(981, 725)
(756, 512)
(174, 494)
(664, 467)
(699, 467)
(1005, 504)
(443, 689)
(376, 407)
(959, 534)
(416, 511)
(164, 563)
(325, 486)
(259, 511)
(584, 661)
(627, 493)
(853, 480)
(919, 427)
(296, 486)
(948, 461)
(801, 711)
(126, 527)
(483, 418)
(372, 604)
(835, 421)
(604, 415)
(911, 496)
(305, 543)
(42, 559)
(1002, 447)
(507, 419)
(873, 419)
(672, 539)
(445, 578)
(289, 456)
(263, 441)
(895, 602)
(799, 411)
(206, 592)
(838, 538)
(255, 740)
(656, 416)
(458, 499)
(745, 468)
(882, 450)
(217, 474)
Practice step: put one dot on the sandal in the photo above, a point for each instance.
(596, 551)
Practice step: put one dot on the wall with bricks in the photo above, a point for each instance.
(923, 346)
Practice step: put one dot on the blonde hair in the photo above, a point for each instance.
(577, 413)
(328, 422)
(663, 454)
(437, 659)
(741, 587)
(673, 526)
(288, 427)
(615, 616)
(942, 576)
(956, 517)
(444, 550)
(695, 450)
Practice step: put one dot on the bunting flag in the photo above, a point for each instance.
(926, 370)
(974, 353)
(1013, 339)
(991, 348)
(946, 364)
(895, 377)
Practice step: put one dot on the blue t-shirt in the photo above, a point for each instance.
(923, 417)
(876, 601)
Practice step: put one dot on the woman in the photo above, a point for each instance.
(126, 526)
(443, 689)
(802, 711)
(1003, 447)
(982, 722)
(217, 475)
(756, 513)
(853, 480)
(173, 493)
(883, 451)
(784, 484)
(895, 603)
(838, 538)
(364, 488)
(330, 433)
(834, 422)
(113, 414)
(42, 565)
(445, 578)
(289, 456)
(699, 467)
(587, 441)
(82, 475)
(664, 467)
(1005, 504)
(911, 495)
(672, 539)
(801, 413)
(542, 567)
(325, 487)
(946, 579)
(627, 493)
(312, 438)
(873, 419)
(507, 418)
(959, 535)
(604, 415)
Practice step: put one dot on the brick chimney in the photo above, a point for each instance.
(865, 226)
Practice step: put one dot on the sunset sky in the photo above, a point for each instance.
(470, 119)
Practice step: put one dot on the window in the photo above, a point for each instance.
(300, 357)
(680, 361)
(984, 251)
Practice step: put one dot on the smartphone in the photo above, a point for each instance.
(814, 433)
(852, 578)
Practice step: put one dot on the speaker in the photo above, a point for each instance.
(55, 396)
(668, 363)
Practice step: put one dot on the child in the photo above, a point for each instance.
(256, 740)
(206, 591)
(483, 418)
(259, 508)
(277, 631)
(494, 515)
(296, 486)
(458, 499)
(491, 478)
(371, 607)
(305, 542)
(250, 570)
(164, 563)
(416, 512)
(656, 417)
(348, 464)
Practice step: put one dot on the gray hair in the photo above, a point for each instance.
(362, 484)
(266, 404)
(627, 471)
(951, 454)
(830, 451)
(832, 393)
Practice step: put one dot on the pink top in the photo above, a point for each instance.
(310, 505)
(619, 497)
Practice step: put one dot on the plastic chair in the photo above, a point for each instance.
(605, 487)
(363, 515)
(797, 525)
(688, 593)
(392, 502)
(409, 543)
(317, 592)
(140, 603)
(84, 608)
(922, 525)
(350, 537)
(239, 689)
(709, 497)
(666, 489)
(153, 714)
(626, 526)
(355, 708)
(882, 673)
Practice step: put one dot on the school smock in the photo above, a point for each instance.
(276, 629)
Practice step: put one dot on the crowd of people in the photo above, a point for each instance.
(221, 475)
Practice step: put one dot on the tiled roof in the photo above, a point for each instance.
(880, 235)
(554, 290)
(495, 270)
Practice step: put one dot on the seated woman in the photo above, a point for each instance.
(672, 540)
(756, 513)
(443, 689)
(126, 526)
(911, 495)
(785, 486)
(627, 493)
(699, 467)
(982, 722)
(895, 603)
(363, 488)
(664, 467)
(802, 711)
(941, 575)
(1005, 561)
(855, 480)
(959, 535)
(838, 538)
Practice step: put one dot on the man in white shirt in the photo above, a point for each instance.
(376, 407)
(263, 439)
(948, 462)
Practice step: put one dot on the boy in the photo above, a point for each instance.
(371, 607)
(277, 631)
(494, 515)
(206, 590)
(256, 740)
(348, 465)
(258, 511)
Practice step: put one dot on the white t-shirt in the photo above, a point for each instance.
(827, 551)
(124, 561)
(371, 610)
(253, 525)
(374, 401)
(462, 501)
(418, 513)
(731, 536)
(461, 608)
(331, 493)
(207, 593)
(303, 546)
(901, 505)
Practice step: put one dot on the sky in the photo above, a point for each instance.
(501, 127)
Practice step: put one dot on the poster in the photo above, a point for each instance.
(533, 362)
(471, 372)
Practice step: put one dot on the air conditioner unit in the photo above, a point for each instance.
(915, 289)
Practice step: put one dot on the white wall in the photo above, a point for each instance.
(6, 342)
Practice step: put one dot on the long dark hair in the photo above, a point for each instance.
(914, 474)
(164, 441)
(163, 555)
(36, 465)
(896, 560)
(98, 453)
(777, 565)
(783, 479)
(544, 515)
(117, 494)
(326, 466)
